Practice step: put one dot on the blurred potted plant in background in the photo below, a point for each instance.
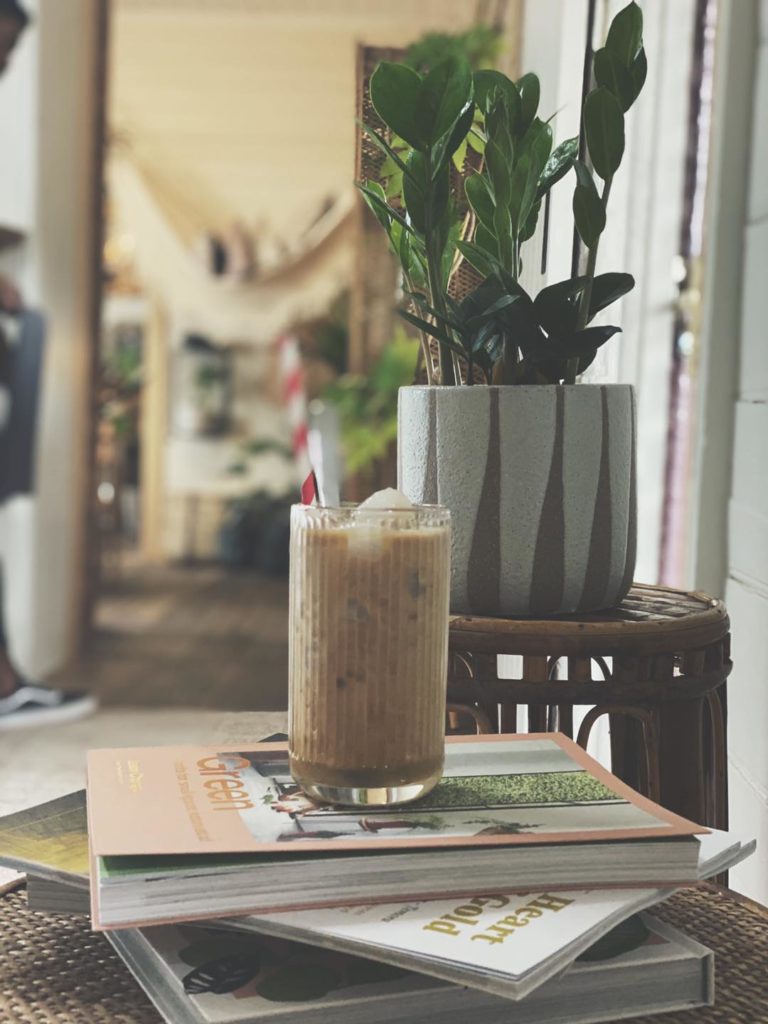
(117, 450)
(480, 45)
(256, 527)
(538, 474)
(367, 403)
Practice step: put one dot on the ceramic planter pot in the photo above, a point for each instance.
(540, 482)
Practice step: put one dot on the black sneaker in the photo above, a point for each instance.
(30, 705)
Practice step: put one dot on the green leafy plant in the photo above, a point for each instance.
(255, 447)
(480, 45)
(520, 168)
(511, 337)
(367, 404)
(432, 116)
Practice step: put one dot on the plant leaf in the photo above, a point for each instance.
(441, 195)
(484, 336)
(415, 195)
(580, 343)
(523, 189)
(625, 35)
(480, 199)
(375, 200)
(410, 258)
(589, 216)
(388, 168)
(528, 229)
(384, 146)
(487, 82)
(588, 210)
(395, 91)
(585, 362)
(606, 289)
(504, 231)
(394, 187)
(373, 197)
(476, 142)
(558, 165)
(612, 75)
(639, 70)
(555, 307)
(423, 303)
(460, 131)
(530, 90)
(604, 128)
(443, 96)
(431, 329)
(477, 257)
(540, 144)
(485, 238)
(500, 304)
(459, 155)
(449, 252)
(499, 172)
(503, 140)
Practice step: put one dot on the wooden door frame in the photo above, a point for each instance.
(89, 544)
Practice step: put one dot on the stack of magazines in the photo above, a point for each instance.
(524, 877)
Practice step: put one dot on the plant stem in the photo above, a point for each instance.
(436, 298)
(582, 318)
(423, 339)
(457, 369)
(434, 275)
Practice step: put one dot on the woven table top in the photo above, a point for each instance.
(650, 619)
(55, 969)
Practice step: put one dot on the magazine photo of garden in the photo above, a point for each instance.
(532, 786)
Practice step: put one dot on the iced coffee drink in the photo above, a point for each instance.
(368, 651)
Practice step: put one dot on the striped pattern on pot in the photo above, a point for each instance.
(540, 482)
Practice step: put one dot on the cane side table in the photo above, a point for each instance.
(656, 665)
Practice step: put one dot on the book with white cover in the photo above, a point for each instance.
(505, 944)
(195, 975)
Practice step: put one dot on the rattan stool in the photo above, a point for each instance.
(656, 665)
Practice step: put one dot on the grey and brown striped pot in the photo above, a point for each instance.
(540, 482)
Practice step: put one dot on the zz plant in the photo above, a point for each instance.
(499, 328)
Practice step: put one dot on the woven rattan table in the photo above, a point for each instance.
(54, 969)
(656, 664)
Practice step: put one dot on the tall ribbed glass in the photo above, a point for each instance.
(368, 651)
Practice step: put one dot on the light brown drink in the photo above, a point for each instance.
(368, 651)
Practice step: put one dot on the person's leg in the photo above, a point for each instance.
(8, 674)
(25, 704)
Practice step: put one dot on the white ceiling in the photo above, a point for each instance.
(245, 108)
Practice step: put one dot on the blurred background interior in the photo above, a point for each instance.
(176, 194)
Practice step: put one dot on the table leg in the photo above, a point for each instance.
(627, 745)
(626, 749)
(717, 758)
(682, 758)
(535, 671)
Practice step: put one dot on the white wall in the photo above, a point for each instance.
(46, 138)
(747, 573)
(730, 549)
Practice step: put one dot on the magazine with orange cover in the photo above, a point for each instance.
(496, 790)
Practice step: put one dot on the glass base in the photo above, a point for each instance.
(384, 796)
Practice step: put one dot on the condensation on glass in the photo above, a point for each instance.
(368, 644)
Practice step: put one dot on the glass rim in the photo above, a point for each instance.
(348, 507)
